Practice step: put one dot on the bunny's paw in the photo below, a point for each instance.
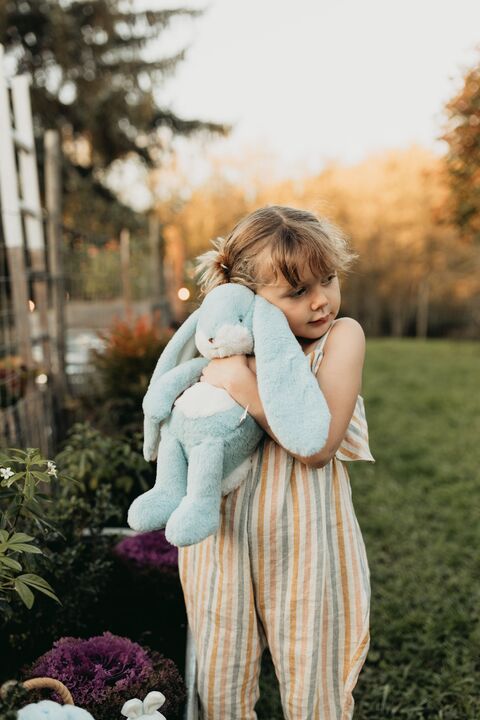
(192, 522)
(157, 407)
(151, 510)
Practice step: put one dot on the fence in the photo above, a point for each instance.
(59, 286)
(32, 382)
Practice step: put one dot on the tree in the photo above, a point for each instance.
(91, 78)
(463, 157)
(412, 270)
(90, 73)
(413, 275)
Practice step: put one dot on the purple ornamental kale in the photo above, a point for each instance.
(149, 549)
(95, 668)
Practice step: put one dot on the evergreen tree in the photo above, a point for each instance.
(90, 75)
(91, 79)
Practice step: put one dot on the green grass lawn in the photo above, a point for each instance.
(419, 510)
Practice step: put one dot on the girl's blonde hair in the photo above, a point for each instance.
(293, 237)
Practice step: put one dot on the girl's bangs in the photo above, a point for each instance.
(292, 254)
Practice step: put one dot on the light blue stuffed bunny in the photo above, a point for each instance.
(49, 710)
(207, 439)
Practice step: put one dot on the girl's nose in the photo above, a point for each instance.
(318, 301)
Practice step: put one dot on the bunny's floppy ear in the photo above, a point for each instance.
(153, 701)
(294, 404)
(132, 708)
(176, 346)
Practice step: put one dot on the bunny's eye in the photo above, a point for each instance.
(241, 319)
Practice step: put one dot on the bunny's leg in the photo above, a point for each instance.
(151, 510)
(198, 514)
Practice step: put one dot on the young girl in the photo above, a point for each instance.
(287, 568)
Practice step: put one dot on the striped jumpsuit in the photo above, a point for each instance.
(288, 569)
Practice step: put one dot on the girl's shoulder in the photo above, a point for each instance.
(344, 343)
(345, 329)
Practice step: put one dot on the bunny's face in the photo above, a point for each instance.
(225, 322)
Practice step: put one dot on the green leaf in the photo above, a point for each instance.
(17, 455)
(37, 457)
(3, 535)
(39, 584)
(21, 537)
(43, 497)
(13, 479)
(25, 593)
(23, 547)
(35, 580)
(42, 476)
(50, 594)
(8, 493)
(39, 518)
(11, 563)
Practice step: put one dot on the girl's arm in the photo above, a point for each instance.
(339, 377)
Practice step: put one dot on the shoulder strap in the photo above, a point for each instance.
(323, 339)
(318, 350)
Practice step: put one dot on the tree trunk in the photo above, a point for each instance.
(398, 316)
(422, 308)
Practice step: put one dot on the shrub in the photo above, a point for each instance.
(79, 559)
(96, 459)
(103, 672)
(148, 550)
(125, 365)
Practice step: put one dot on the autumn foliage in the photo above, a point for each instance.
(463, 157)
(414, 275)
(125, 364)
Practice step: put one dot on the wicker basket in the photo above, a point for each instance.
(45, 682)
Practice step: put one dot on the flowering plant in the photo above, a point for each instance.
(22, 474)
(150, 549)
(105, 671)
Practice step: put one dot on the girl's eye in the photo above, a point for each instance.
(298, 293)
(329, 279)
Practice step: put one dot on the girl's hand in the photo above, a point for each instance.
(222, 371)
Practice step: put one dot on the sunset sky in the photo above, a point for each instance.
(317, 80)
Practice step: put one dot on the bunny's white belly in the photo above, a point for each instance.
(202, 400)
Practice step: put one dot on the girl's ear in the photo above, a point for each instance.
(174, 349)
(294, 405)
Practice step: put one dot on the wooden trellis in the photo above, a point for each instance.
(32, 322)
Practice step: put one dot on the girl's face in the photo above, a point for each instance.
(309, 308)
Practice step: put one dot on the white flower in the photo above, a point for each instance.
(51, 468)
(6, 473)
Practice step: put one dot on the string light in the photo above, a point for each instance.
(183, 293)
